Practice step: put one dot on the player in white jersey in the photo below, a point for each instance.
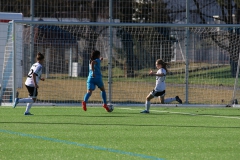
(159, 90)
(33, 77)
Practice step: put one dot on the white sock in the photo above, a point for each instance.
(25, 100)
(147, 105)
(169, 100)
(29, 105)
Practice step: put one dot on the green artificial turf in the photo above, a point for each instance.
(67, 133)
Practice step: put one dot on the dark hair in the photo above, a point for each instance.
(94, 55)
(40, 56)
(164, 64)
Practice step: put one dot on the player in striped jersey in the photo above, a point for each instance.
(31, 83)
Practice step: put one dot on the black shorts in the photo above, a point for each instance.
(157, 94)
(33, 92)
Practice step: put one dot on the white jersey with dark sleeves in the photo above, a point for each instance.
(160, 80)
(35, 69)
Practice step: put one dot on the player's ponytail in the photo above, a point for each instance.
(94, 55)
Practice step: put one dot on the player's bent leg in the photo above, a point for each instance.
(169, 100)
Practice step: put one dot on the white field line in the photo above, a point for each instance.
(228, 117)
(183, 113)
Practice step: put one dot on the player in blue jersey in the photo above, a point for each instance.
(31, 83)
(159, 90)
(95, 79)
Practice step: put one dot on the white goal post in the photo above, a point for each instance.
(135, 48)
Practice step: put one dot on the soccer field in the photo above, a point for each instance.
(167, 133)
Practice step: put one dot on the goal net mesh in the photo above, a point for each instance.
(212, 56)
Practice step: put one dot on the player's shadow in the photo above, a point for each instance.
(79, 116)
(112, 114)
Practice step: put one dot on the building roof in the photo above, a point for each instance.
(53, 34)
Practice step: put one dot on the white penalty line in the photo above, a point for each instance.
(183, 113)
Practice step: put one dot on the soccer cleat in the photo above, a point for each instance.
(106, 108)
(178, 100)
(28, 114)
(15, 102)
(144, 111)
(84, 106)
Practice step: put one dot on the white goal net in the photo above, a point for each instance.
(202, 67)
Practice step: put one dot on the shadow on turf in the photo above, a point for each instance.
(113, 114)
(78, 116)
(105, 124)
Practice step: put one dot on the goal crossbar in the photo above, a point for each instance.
(126, 24)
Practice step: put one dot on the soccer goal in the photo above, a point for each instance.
(203, 61)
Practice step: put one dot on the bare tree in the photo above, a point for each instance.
(227, 9)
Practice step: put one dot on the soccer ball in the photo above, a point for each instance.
(110, 108)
